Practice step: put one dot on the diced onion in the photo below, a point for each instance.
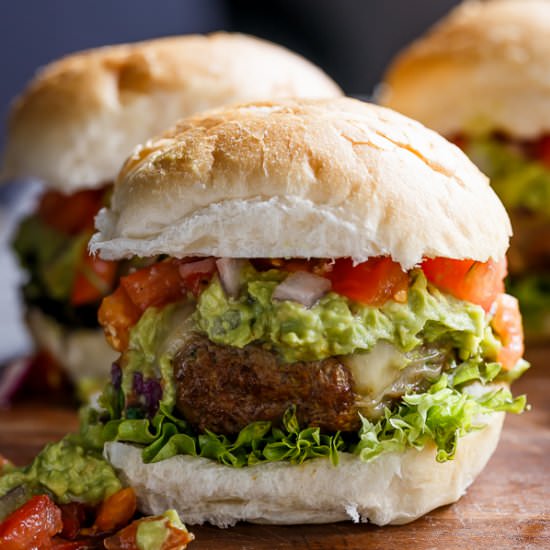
(303, 287)
(230, 275)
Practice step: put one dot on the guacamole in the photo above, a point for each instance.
(68, 472)
(152, 533)
(336, 325)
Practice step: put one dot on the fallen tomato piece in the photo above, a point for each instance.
(32, 525)
(116, 511)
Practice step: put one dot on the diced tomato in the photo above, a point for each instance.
(124, 539)
(71, 214)
(94, 279)
(176, 539)
(196, 274)
(542, 150)
(31, 526)
(116, 315)
(476, 282)
(166, 282)
(372, 282)
(73, 516)
(116, 511)
(156, 285)
(507, 324)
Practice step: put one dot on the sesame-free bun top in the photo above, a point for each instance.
(485, 67)
(81, 116)
(302, 178)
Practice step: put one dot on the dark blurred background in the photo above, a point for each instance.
(352, 40)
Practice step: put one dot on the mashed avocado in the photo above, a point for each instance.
(518, 181)
(338, 326)
(153, 532)
(68, 472)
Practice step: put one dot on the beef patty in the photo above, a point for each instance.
(223, 388)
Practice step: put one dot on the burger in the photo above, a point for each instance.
(72, 128)
(321, 331)
(479, 77)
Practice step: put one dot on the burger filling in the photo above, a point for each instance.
(520, 174)
(64, 281)
(250, 361)
(64, 288)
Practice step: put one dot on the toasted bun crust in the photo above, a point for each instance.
(394, 488)
(83, 353)
(484, 67)
(81, 116)
(302, 178)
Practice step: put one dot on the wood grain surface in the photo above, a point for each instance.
(507, 507)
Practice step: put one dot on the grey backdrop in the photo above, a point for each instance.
(351, 39)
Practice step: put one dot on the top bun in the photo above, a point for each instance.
(82, 115)
(302, 178)
(485, 67)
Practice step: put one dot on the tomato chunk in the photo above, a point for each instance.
(73, 516)
(372, 282)
(156, 285)
(32, 525)
(116, 315)
(476, 282)
(507, 324)
(71, 214)
(116, 511)
(94, 279)
(175, 538)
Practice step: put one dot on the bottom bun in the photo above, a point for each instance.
(83, 353)
(394, 488)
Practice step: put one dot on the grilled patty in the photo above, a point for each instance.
(222, 389)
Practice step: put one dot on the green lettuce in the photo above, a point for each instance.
(441, 415)
(165, 436)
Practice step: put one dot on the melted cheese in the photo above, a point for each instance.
(385, 373)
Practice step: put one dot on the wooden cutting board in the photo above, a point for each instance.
(507, 507)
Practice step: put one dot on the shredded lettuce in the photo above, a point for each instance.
(165, 436)
(441, 415)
